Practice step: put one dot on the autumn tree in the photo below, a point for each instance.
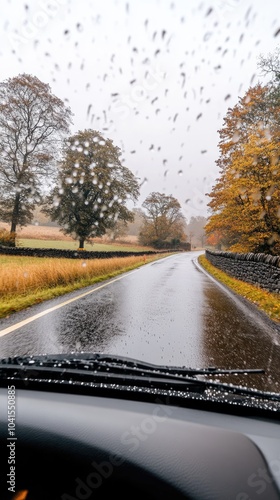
(195, 230)
(163, 221)
(245, 199)
(131, 228)
(134, 227)
(92, 188)
(118, 229)
(214, 239)
(33, 122)
(270, 66)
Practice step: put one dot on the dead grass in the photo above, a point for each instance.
(20, 276)
(25, 281)
(39, 232)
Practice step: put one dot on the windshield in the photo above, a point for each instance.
(139, 182)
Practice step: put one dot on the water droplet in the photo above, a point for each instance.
(235, 136)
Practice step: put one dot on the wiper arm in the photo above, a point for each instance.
(142, 365)
(92, 368)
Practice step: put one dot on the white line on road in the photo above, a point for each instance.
(58, 306)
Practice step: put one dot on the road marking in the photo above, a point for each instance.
(54, 308)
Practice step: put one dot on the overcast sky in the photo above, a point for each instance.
(155, 76)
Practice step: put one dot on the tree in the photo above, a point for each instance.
(134, 227)
(214, 239)
(245, 199)
(32, 123)
(131, 228)
(195, 230)
(92, 187)
(163, 221)
(270, 65)
(118, 229)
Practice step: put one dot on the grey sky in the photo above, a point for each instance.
(155, 76)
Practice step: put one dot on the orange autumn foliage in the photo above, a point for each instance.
(245, 201)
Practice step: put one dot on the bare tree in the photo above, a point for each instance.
(270, 65)
(32, 124)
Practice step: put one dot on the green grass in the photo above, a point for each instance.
(73, 245)
(267, 302)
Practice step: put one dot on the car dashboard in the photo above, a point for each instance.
(71, 446)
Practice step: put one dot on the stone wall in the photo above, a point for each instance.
(255, 268)
(72, 254)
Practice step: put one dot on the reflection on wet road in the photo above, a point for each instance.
(168, 312)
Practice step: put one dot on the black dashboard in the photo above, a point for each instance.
(72, 446)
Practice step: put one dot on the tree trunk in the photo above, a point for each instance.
(15, 215)
(81, 244)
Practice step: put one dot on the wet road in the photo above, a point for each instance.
(168, 311)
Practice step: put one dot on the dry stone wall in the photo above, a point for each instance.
(255, 268)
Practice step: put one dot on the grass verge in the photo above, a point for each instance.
(25, 281)
(267, 302)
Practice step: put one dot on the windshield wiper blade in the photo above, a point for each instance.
(122, 363)
(143, 365)
(88, 368)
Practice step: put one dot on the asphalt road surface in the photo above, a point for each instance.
(167, 312)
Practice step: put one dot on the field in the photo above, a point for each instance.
(51, 237)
